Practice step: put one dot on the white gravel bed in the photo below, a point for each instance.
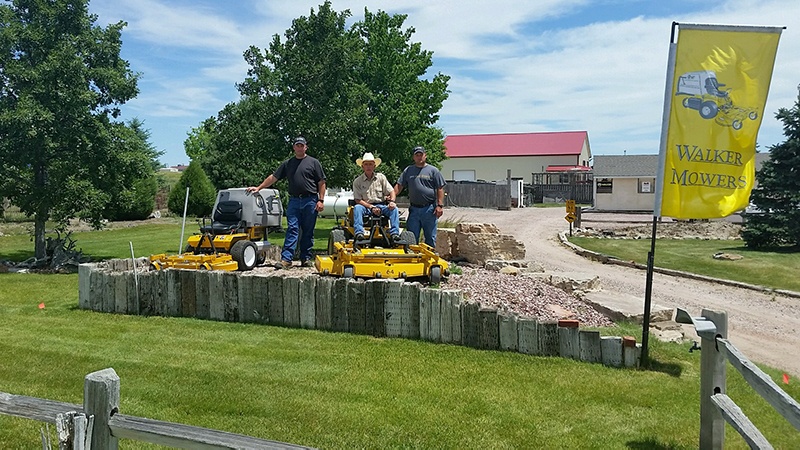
(523, 296)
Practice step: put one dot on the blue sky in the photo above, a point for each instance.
(515, 66)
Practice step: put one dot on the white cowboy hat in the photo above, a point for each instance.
(368, 157)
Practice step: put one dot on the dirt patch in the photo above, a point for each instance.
(706, 230)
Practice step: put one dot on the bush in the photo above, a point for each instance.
(201, 193)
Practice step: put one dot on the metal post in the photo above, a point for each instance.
(135, 278)
(648, 295)
(183, 225)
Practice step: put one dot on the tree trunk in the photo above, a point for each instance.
(40, 245)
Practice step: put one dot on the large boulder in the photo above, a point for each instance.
(478, 243)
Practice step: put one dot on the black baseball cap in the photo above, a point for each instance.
(299, 140)
(418, 150)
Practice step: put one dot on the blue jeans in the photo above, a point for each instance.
(392, 214)
(425, 219)
(301, 218)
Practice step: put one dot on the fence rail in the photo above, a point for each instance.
(101, 402)
(716, 408)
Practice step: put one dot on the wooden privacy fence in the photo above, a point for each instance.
(478, 195)
(382, 308)
(716, 407)
(97, 423)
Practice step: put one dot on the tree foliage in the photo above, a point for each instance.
(347, 90)
(132, 191)
(201, 193)
(778, 191)
(61, 83)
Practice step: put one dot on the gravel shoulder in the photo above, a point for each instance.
(765, 326)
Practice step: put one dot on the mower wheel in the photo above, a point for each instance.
(436, 275)
(335, 236)
(708, 110)
(348, 272)
(245, 254)
(753, 115)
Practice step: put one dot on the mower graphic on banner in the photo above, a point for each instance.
(704, 94)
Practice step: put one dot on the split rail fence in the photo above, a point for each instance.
(382, 308)
(716, 407)
(97, 423)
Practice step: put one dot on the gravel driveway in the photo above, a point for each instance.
(765, 326)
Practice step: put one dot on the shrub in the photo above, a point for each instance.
(201, 193)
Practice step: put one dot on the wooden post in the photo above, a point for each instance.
(713, 371)
(101, 400)
(611, 350)
(528, 335)
(509, 334)
(590, 346)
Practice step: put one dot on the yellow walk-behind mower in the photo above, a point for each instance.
(378, 255)
(236, 239)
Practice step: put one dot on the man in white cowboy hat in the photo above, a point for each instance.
(373, 194)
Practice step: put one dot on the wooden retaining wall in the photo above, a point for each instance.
(381, 308)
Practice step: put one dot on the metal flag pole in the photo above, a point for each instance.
(648, 292)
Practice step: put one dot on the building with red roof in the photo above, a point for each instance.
(488, 157)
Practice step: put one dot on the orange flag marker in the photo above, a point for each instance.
(785, 379)
(41, 305)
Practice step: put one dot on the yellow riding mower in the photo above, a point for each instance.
(236, 239)
(378, 255)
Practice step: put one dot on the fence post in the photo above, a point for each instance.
(712, 381)
(101, 400)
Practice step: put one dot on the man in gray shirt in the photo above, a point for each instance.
(425, 193)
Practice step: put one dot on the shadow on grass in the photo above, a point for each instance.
(651, 444)
(16, 256)
(671, 369)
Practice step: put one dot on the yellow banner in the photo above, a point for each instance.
(721, 77)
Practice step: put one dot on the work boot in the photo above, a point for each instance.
(360, 237)
(307, 263)
(396, 238)
(283, 265)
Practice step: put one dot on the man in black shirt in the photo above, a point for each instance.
(306, 199)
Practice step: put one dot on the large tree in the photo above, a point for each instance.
(61, 83)
(778, 191)
(347, 90)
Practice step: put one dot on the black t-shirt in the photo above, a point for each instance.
(303, 175)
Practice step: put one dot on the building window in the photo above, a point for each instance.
(605, 185)
(647, 186)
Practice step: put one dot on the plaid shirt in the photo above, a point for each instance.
(373, 190)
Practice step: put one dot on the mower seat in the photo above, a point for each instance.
(227, 219)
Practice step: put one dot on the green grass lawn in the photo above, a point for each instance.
(765, 268)
(335, 390)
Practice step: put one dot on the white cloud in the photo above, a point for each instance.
(511, 69)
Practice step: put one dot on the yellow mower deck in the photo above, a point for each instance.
(192, 261)
(421, 261)
(377, 255)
